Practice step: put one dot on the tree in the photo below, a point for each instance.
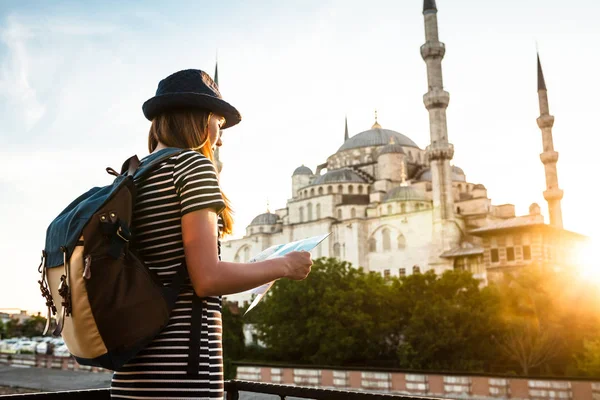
(546, 321)
(339, 315)
(2, 334)
(447, 321)
(589, 362)
(33, 326)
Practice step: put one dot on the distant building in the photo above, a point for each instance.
(398, 209)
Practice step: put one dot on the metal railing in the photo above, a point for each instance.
(233, 389)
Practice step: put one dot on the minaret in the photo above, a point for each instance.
(553, 194)
(218, 162)
(446, 234)
(346, 137)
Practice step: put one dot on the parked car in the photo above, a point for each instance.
(8, 345)
(62, 351)
(25, 346)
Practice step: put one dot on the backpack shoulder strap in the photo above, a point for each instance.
(154, 159)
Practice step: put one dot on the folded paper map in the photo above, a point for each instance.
(280, 250)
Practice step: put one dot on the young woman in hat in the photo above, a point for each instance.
(179, 217)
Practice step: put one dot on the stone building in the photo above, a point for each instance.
(398, 209)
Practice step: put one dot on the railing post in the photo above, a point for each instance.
(232, 391)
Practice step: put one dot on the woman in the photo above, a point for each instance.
(179, 216)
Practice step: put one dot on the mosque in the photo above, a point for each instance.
(397, 209)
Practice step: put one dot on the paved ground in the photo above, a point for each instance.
(53, 380)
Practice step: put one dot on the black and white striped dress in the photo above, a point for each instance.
(184, 183)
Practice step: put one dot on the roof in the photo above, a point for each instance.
(265, 219)
(302, 170)
(457, 175)
(339, 175)
(392, 148)
(405, 193)
(466, 249)
(512, 223)
(540, 73)
(376, 137)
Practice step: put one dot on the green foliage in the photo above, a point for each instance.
(2, 330)
(448, 322)
(589, 362)
(339, 315)
(532, 323)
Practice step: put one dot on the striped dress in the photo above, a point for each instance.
(184, 183)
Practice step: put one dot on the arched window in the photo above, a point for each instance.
(339, 214)
(460, 189)
(352, 213)
(389, 209)
(340, 189)
(272, 229)
(417, 206)
(410, 156)
(309, 216)
(401, 241)
(301, 212)
(350, 189)
(261, 229)
(312, 192)
(336, 250)
(418, 158)
(318, 211)
(329, 189)
(372, 245)
(402, 208)
(385, 239)
(360, 190)
(416, 269)
(320, 191)
(251, 231)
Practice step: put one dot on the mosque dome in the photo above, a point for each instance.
(404, 193)
(376, 136)
(302, 170)
(339, 175)
(392, 148)
(457, 175)
(265, 219)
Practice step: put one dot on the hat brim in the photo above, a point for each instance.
(173, 101)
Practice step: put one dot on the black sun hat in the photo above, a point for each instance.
(190, 88)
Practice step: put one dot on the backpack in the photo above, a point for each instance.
(109, 305)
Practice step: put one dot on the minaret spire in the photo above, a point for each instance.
(553, 194)
(346, 137)
(446, 234)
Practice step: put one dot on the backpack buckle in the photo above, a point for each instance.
(121, 234)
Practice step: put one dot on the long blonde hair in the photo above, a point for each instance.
(188, 129)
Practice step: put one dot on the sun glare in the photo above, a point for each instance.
(585, 261)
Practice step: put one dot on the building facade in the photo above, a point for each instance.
(395, 208)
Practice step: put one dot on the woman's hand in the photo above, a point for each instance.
(297, 265)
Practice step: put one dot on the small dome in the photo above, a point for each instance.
(376, 137)
(479, 186)
(405, 193)
(457, 175)
(392, 148)
(265, 219)
(302, 170)
(339, 175)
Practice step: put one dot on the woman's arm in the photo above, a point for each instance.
(211, 277)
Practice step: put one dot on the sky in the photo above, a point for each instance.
(73, 77)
